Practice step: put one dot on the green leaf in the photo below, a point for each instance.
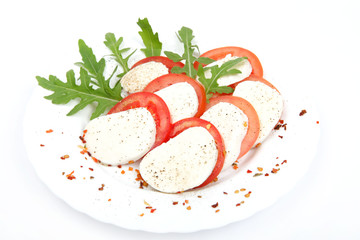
(173, 56)
(64, 92)
(205, 60)
(153, 46)
(89, 60)
(113, 45)
(210, 84)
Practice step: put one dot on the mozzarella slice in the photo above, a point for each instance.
(121, 137)
(244, 66)
(232, 124)
(181, 100)
(182, 163)
(267, 102)
(137, 78)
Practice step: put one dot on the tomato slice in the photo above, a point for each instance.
(170, 79)
(220, 53)
(255, 78)
(155, 105)
(253, 119)
(164, 60)
(186, 123)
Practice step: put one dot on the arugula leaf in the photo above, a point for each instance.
(63, 92)
(91, 74)
(210, 84)
(150, 40)
(113, 45)
(185, 35)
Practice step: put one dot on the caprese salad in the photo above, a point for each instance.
(184, 117)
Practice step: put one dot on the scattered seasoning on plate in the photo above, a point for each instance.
(217, 210)
(199, 196)
(266, 174)
(249, 171)
(188, 208)
(260, 169)
(257, 174)
(70, 176)
(64, 157)
(274, 170)
(285, 161)
(243, 189)
(141, 215)
(175, 203)
(152, 210)
(49, 131)
(42, 145)
(63, 173)
(236, 191)
(225, 193)
(215, 205)
(302, 112)
(239, 204)
(91, 169)
(280, 136)
(91, 177)
(317, 122)
(248, 194)
(130, 168)
(102, 187)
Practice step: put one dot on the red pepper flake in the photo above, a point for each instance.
(187, 201)
(109, 200)
(130, 169)
(274, 170)
(49, 131)
(131, 162)
(215, 205)
(215, 179)
(238, 204)
(285, 161)
(95, 160)
(70, 176)
(280, 136)
(175, 203)
(249, 171)
(266, 174)
(235, 166)
(317, 122)
(141, 215)
(102, 187)
(225, 193)
(260, 169)
(91, 169)
(243, 189)
(188, 208)
(277, 165)
(63, 173)
(217, 210)
(64, 157)
(122, 172)
(82, 139)
(119, 166)
(91, 177)
(236, 191)
(248, 194)
(281, 121)
(302, 112)
(153, 210)
(42, 145)
(148, 207)
(199, 196)
(258, 145)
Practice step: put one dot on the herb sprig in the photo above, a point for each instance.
(185, 35)
(211, 85)
(153, 46)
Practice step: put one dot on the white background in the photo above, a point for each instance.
(312, 44)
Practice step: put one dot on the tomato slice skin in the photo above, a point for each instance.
(164, 60)
(255, 78)
(155, 105)
(253, 119)
(220, 53)
(186, 123)
(172, 78)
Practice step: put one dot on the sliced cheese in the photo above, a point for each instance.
(181, 100)
(121, 137)
(244, 66)
(137, 78)
(182, 163)
(267, 102)
(232, 124)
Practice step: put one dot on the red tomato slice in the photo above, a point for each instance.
(220, 53)
(156, 106)
(164, 60)
(184, 124)
(253, 119)
(255, 78)
(170, 79)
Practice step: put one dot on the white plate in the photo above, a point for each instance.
(128, 202)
